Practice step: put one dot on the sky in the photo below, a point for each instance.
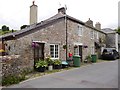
(15, 13)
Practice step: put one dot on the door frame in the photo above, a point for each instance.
(81, 52)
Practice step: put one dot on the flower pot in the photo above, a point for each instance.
(50, 68)
(41, 69)
(57, 66)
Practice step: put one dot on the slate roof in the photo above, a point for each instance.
(108, 30)
(42, 24)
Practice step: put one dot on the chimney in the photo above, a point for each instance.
(33, 13)
(98, 26)
(89, 23)
(62, 10)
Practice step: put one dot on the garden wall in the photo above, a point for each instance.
(11, 65)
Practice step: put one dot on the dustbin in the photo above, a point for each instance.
(76, 61)
(94, 58)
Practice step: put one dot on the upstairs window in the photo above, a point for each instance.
(80, 30)
(92, 34)
(97, 35)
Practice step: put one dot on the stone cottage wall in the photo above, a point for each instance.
(85, 39)
(110, 40)
(52, 34)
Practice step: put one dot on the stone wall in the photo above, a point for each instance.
(110, 40)
(84, 39)
(52, 34)
(11, 65)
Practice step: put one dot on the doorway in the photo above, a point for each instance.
(39, 52)
(80, 52)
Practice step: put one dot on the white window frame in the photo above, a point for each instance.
(54, 56)
(92, 50)
(80, 30)
(76, 50)
(92, 34)
(97, 35)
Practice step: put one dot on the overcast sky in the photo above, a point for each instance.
(15, 13)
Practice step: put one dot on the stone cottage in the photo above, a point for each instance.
(112, 39)
(57, 36)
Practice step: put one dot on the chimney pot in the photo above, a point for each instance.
(62, 10)
(89, 22)
(98, 26)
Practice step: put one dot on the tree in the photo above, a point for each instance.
(118, 30)
(23, 26)
(5, 28)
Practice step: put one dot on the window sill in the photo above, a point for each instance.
(54, 58)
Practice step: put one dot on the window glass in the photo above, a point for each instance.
(54, 51)
(92, 34)
(80, 30)
(76, 51)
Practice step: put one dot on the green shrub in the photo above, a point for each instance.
(88, 58)
(49, 61)
(12, 79)
(41, 63)
(57, 62)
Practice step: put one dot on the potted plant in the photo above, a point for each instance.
(41, 65)
(50, 63)
(57, 64)
(88, 59)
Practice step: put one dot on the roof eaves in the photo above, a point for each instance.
(31, 27)
(83, 23)
(74, 19)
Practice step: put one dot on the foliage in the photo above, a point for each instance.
(49, 60)
(88, 58)
(13, 79)
(5, 28)
(41, 63)
(1, 50)
(5, 32)
(101, 40)
(64, 46)
(57, 62)
(24, 26)
(118, 30)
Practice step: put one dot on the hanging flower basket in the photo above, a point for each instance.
(64, 46)
(34, 44)
(75, 46)
(85, 46)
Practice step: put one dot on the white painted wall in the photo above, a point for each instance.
(116, 41)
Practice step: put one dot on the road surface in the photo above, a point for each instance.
(97, 75)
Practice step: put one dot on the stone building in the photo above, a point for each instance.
(112, 39)
(57, 36)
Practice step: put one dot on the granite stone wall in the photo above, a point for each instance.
(11, 65)
(84, 39)
(52, 34)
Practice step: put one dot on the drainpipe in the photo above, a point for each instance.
(66, 34)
